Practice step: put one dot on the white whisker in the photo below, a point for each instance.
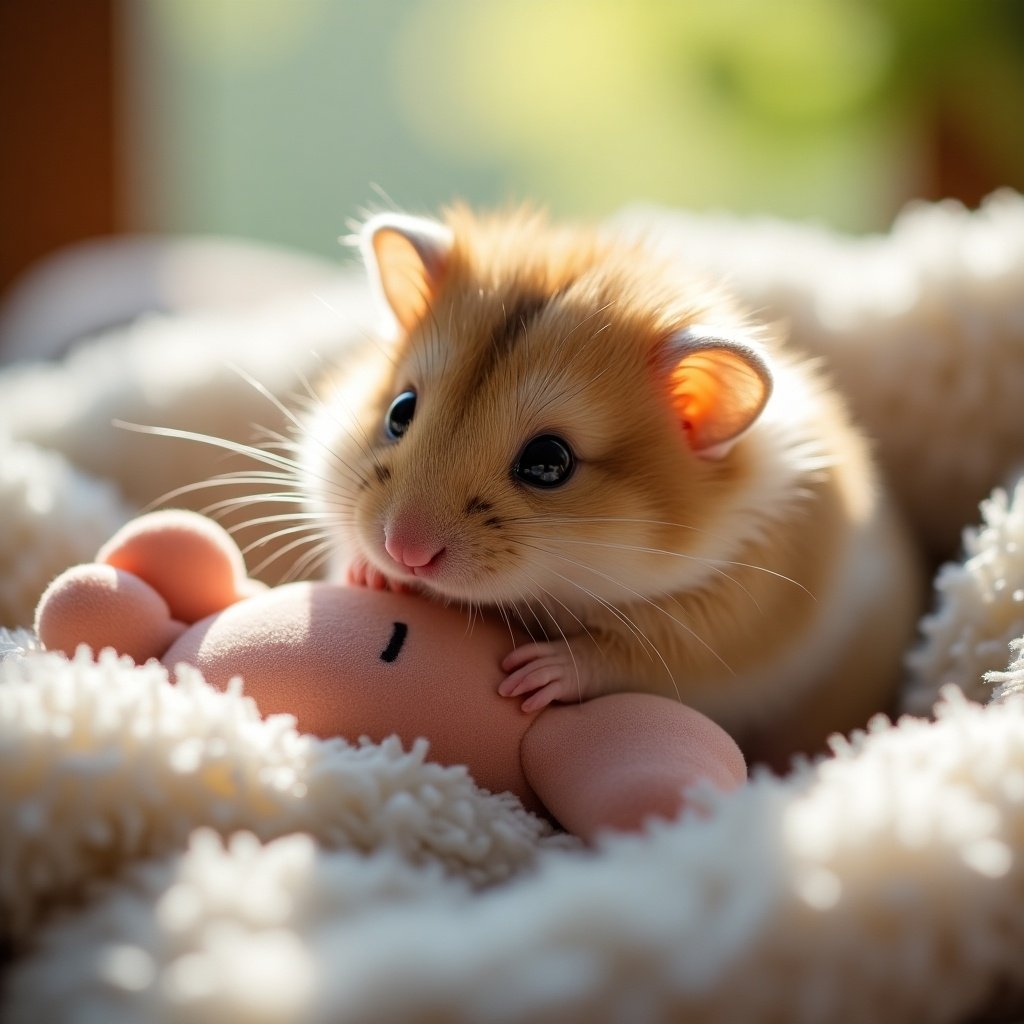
(707, 562)
(311, 562)
(286, 549)
(565, 639)
(240, 478)
(278, 534)
(646, 644)
(260, 498)
(645, 600)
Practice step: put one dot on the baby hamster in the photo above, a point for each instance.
(571, 432)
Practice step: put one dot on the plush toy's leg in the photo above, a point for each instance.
(191, 561)
(614, 762)
(102, 606)
(156, 575)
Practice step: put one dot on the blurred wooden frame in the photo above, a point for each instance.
(62, 155)
(58, 127)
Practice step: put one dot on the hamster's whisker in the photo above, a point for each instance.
(369, 335)
(576, 520)
(276, 535)
(492, 337)
(313, 403)
(712, 563)
(271, 440)
(532, 607)
(518, 611)
(219, 509)
(287, 549)
(584, 384)
(583, 626)
(500, 606)
(646, 600)
(520, 372)
(309, 538)
(586, 319)
(261, 389)
(283, 442)
(561, 395)
(545, 383)
(706, 559)
(572, 657)
(262, 497)
(471, 609)
(579, 621)
(281, 462)
(563, 605)
(364, 445)
(249, 476)
(284, 517)
(313, 521)
(311, 562)
(646, 644)
(580, 349)
(707, 562)
(224, 480)
(349, 426)
(268, 437)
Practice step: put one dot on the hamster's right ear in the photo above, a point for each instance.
(406, 258)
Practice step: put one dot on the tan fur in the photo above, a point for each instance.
(730, 583)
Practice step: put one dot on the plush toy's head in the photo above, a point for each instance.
(353, 662)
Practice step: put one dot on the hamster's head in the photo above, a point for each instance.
(553, 420)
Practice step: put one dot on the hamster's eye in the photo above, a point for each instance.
(399, 415)
(546, 461)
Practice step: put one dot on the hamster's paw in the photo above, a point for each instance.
(360, 573)
(548, 672)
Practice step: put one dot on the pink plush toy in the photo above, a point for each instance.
(354, 662)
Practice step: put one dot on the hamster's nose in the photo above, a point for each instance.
(412, 551)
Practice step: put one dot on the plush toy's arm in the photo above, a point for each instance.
(617, 761)
(155, 576)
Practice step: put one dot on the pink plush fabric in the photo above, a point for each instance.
(105, 607)
(354, 662)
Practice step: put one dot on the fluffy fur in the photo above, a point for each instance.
(882, 883)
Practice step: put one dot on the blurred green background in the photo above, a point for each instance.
(282, 119)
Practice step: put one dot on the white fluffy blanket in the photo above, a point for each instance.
(166, 855)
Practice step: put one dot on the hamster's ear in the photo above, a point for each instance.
(718, 384)
(406, 258)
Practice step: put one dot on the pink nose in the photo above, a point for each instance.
(412, 552)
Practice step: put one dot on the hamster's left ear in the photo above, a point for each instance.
(719, 383)
(406, 258)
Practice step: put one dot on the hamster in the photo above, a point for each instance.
(565, 430)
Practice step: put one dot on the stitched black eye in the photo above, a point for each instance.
(399, 415)
(546, 461)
